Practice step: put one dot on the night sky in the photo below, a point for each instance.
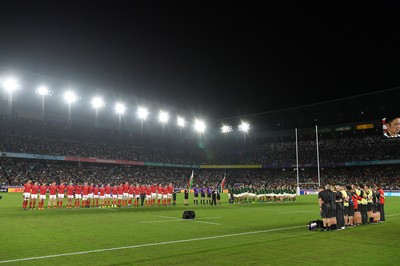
(217, 58)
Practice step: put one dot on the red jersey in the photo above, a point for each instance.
(120, 190)
(27, 188)
(43, 190)
(164, 191)
(91, 188)
(170, 189)
(95, 191)
(115, 190)
(70, 190)
(85, 190)
(61, 189)
(142, 189)
(102, 190)
(154, 189)
(159, 189)
(125, 188)
(131, 190)
(355, 202)
(137, 190)
(381, 196)
(148, 190)
(34, 189)
(53, 190)
(108, 189)
(78, 190)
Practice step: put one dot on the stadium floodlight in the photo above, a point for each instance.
(181, 122)
(244, 127)
(226, 129)
(142, 113)
(98, 103)
(199, 126)
(70, 97)
(43, 91)
(120, 108)
(11, 85)
(163, 117)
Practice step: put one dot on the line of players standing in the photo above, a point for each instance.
(208, 196)
(353, 205)
(101, 196)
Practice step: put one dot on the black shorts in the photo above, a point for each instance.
(351, 210)
(195, 196)
(369, 207)
(203, 195)
(326, 211)
(346, 210)
(208, 195)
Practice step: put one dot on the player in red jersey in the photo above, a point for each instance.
(131, 193)
(170, 189)
(78, 195)
(120, 194)
(148, 196)
(34, 196)
(153, 194)
(114, 192)
(137, 195)
(70, 195)
(27, 194)
(159, 194)
(90, 194)
(52, 195)
(125, 194)
(85, 193)
(102, 192)
(107, 195)
(60, 192)
(42, 195)
(164, 196)
(95, 196)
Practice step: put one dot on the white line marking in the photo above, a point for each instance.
(150, 244)
(177, 219)
(393, 214)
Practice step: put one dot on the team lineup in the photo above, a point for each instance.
(101, 196)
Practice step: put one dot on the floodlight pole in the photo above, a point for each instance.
(69, 114)
(42, 108)
(297, 165)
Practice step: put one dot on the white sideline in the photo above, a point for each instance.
(150, 244)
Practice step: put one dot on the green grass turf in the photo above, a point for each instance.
(27, 234)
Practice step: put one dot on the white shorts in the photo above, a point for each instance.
(60, 196)
(108, 196)
(90, 196)
(78, 196)
(42, 197)
(52, 197)
(96, 196)
(148, 196)
(70, 196)
(26, 195)
(137, 196)
(164, 196)
(153, 195)
(159, 196)
(169, 195)
(33, 196)
(125, 195)
(130, 196)
(114, 196)
(84, 197)
(102, 197)
(120, 196)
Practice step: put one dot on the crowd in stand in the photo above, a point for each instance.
(53, 139)
(26, 136)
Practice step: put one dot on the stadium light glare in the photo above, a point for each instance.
(181, 122)
(43, 91)
(120, 108)
(244, 127)
(11, 85)
(163, 117)
(199, 126)
(70, 97)
(142, 113)
(98, 103)
(226, 129)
